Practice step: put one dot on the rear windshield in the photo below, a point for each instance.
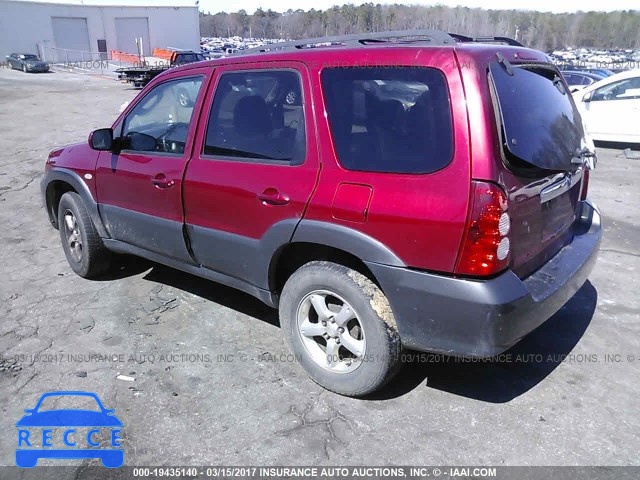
(540, 122)
(189, 58)
(389, 119)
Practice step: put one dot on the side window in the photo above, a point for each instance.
(389, 119)
(586, 80)
(257, 115)
(160, 121)
(626, 89)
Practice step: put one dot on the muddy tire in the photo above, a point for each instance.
(340, 327)
(82, 245)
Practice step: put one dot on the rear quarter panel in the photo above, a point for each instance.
(419, 217)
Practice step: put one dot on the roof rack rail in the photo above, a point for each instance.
(435, 37)
(465, 38)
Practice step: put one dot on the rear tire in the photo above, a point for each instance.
(82, 245)
(340, 327)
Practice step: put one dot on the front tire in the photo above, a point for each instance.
(82, 245)
(341, 328)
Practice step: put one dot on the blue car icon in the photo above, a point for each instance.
(67, 419)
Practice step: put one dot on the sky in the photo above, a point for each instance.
(557, 6)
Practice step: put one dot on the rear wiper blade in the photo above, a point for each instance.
(505, 63)
(586, 153)
(585, 156)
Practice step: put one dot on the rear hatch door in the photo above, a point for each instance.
(544, 147)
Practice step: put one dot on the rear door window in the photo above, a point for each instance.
(389, 119)
(257, 115)
(540, 122)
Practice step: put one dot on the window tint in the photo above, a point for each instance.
(188, 58)
(160, 122)
(540, 122)
(587, 80)
(628, 88)
(257, 115)
(389, 119)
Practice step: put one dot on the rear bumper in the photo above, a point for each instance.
(482, 318)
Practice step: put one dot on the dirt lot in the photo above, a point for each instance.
(212, 382)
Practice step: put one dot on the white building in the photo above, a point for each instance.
(67, 29)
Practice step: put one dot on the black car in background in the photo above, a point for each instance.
(27, 62)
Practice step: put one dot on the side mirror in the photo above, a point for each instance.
(29, 410)
(101, 139)
(587, 98)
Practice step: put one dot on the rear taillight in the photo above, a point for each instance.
(485, 248)
(585, 183)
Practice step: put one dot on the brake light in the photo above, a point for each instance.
(585, 183)
(486, 247)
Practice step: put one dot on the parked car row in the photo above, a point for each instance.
(595, 56)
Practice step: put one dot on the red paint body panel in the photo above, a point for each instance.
(351, 202)
(78, 157)
(125, 180)
(420, 217)
(213, 197)
(223, 194)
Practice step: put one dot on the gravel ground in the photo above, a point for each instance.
(212, 382)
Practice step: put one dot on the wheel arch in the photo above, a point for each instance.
(314, 240)
(293, 255)
(56, 183)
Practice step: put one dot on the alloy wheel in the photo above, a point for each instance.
(331, 331)
(74, 238)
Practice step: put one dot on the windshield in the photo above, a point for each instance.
(189, 58)
(539, 119)
(29, 57)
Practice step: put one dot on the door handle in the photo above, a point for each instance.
(161, 181)
(271, 196)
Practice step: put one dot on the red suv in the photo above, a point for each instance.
(394, 190)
